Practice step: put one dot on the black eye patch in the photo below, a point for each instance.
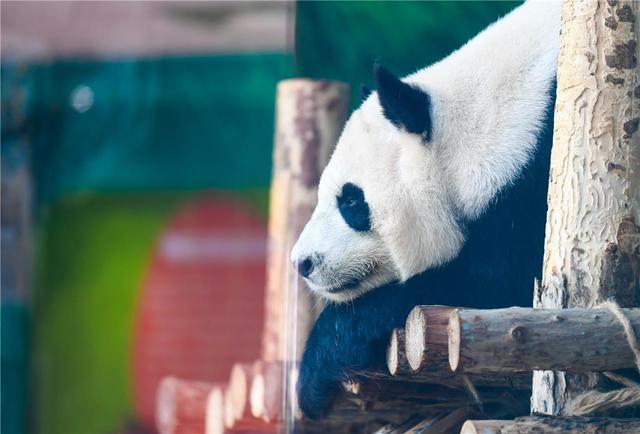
(353, 208)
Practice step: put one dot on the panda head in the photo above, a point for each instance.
(385, 210)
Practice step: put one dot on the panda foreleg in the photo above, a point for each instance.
(347, 339)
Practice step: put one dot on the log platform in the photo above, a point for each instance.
(525, 339)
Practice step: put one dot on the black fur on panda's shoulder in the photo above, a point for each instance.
(495, 268)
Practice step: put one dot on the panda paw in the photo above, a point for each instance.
(346, 339)
(316, 393)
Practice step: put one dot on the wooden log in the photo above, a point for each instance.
(396, 356)
(384, 398)
(252, 425)
(444, 423)
(309, 118)
(237, 406)
(402, 428)
(591, 245)
(523, 339)
(427, 338)
(448, 423)
(221, 416)
(390, 401)
(484, 426)
(517, 381)
(366, 390)
(239, 391)
(266, 395)
(215, 412)
(552, 425)
(181, 406)
(228, 412)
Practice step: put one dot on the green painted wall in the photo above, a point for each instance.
(179, 123)
(341, 40)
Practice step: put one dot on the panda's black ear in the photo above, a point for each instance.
(365, 91)
(404, 105)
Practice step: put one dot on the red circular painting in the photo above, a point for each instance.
(202, 301)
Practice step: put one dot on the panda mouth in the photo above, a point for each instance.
(349, 284)
(353, 283)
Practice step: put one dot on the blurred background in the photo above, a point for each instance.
(136, 155)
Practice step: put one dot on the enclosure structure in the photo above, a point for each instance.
(484, 371)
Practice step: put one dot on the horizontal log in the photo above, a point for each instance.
(397, 362)
(221, 416)
(427, 338)
(228, 412)
(403, 427)
(389, 400)
(448, 423)
(380, 398)
(181, 406)
(552, 425)
(522, 340)
(239, 391)
(518, 381)
(425, 342)
(252, 425)
(266, 391)
(215, 409)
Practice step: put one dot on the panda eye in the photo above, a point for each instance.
(353, 207)
(351, 202)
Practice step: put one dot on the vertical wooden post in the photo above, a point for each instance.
(592, 236)
(309, 119)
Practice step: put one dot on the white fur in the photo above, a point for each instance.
(488, 102)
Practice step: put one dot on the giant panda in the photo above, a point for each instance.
(435, 194)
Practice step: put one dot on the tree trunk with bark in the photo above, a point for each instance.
(592, 234)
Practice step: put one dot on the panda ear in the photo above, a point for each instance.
(365, 91)
(405, 106)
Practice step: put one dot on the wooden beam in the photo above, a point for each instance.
(524, 339)
(397, 362)
(266, 393)
(447, 423)
(239, 390)
(427, 338)
(215, 412)
(552, 425)
(181, 406)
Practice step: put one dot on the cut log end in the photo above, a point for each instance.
(214, 423)
(454, 340)
(257, 395)
(415, 338)
(483, 426)
(180, 405)
(228, 409)
(266, 392)
(165, 405)
(395, 351)
(552, 425)
(238, 391)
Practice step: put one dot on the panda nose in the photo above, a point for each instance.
(305, 267)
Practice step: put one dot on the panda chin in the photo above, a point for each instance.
(348, 290)
(342, 294)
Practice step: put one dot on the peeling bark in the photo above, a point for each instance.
(591, 246)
